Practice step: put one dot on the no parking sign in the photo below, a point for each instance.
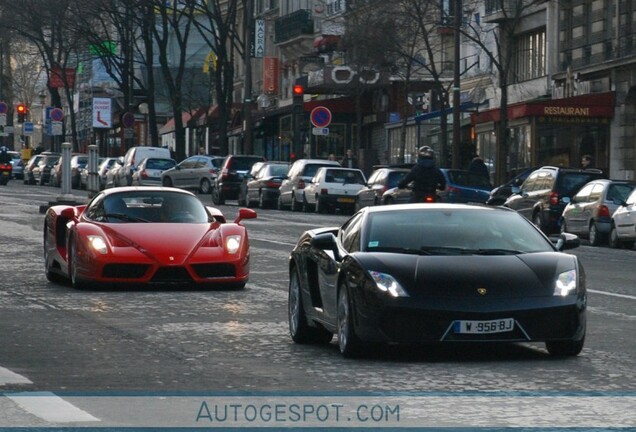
(320, 117)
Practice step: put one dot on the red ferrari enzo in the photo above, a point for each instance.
(145, 236)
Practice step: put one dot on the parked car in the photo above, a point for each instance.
(541, 197)
(132, 158)
(31, 164)
(196, 172)
(461, 187)
(333, 188)
(150, 171)
(43, 171)
(180, 243)
(500, 194)
(588, 214)
(112, 177)
(300, 172)
(436, 274)
(623, 229)
(84, 174)
(226, 185)
(381, 180)
(262, 187)
(17, 166)
(78, 163)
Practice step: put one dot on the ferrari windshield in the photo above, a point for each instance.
(436, 231)
(148, 206)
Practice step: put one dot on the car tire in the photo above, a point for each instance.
(217, 197)
(242, 200)
(565, 348)
(536, 219)
(348, 342)
(261, 201)
(357, 207)
(72, 270)
(204, 187)
(167, 182)
(279, 204)
(595, 237)
(388, 201)
(51, 276)
(628, 244)
(564, 227)
(320, 205)
(614, 241)
(300, 331)
(306, 206)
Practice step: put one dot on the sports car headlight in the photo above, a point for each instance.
(98, 243)
(565, 283)
(387, 283)
(232, 243)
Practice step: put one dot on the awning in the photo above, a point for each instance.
(426, 116)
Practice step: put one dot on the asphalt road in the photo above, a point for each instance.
(56, 339)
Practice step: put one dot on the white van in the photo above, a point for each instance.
(133, 157)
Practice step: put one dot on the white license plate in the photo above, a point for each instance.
(484, 327)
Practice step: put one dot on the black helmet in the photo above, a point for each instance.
(426, 152)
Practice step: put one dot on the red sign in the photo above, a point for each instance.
(320, 117)
(56, 78)
(270, 75)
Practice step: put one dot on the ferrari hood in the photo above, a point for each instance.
(167, 243)
(505, 276)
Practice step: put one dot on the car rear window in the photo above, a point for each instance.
(394, 178)
(243, 163)
(569, 183)
(464, 178)
(619, 191)
(311, 169)
(160, 164)
(343, 176)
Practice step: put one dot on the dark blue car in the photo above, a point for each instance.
(461, 187)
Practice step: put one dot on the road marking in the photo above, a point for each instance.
(9, 377)
(49, 407)
(625, 296)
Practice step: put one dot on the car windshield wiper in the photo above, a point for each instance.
(126, 217)
(397, 249)
(496, 251)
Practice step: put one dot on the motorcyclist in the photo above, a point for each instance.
(5, 157)
(427, 178)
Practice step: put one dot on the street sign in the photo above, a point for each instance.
(57, 114)
(3, 119)
(320, 117)
(320, 131)
(4, 108)
(128, 119)
(56, 128)
(102, 113)
(27, 128)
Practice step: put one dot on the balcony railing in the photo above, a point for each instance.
(295, 24)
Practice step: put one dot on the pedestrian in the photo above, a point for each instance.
(427, 178)
(202, 150)
(478, 166)
(331, 157)
(349, 161)
(586, 161)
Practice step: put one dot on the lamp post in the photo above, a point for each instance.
(456, 85)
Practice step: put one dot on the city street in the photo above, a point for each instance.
(57, 339)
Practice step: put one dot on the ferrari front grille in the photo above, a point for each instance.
(215, 270)
(172, 275)
(125, 271)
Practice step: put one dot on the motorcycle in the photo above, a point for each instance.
(5, 172)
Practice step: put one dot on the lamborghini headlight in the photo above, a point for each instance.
(387, 283)
(232, 243)
(565, 283)
(98, 243)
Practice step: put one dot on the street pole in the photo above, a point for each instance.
(456, 86)
(247, 100)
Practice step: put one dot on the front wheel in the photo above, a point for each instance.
(596, 238)
(536, 219)
(167, 182)
(301, 332)
(76, 282)
(205, 186)
(348, 342)
(614, 241)
(217, 197)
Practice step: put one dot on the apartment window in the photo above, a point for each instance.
(529, 61)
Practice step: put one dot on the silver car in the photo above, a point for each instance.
(196, 172)
(623, 230)
(589, 213)
(149, 171)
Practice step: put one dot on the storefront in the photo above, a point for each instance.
(548, 132)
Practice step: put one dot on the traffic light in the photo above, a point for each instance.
(298, 97)
(22, 113)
